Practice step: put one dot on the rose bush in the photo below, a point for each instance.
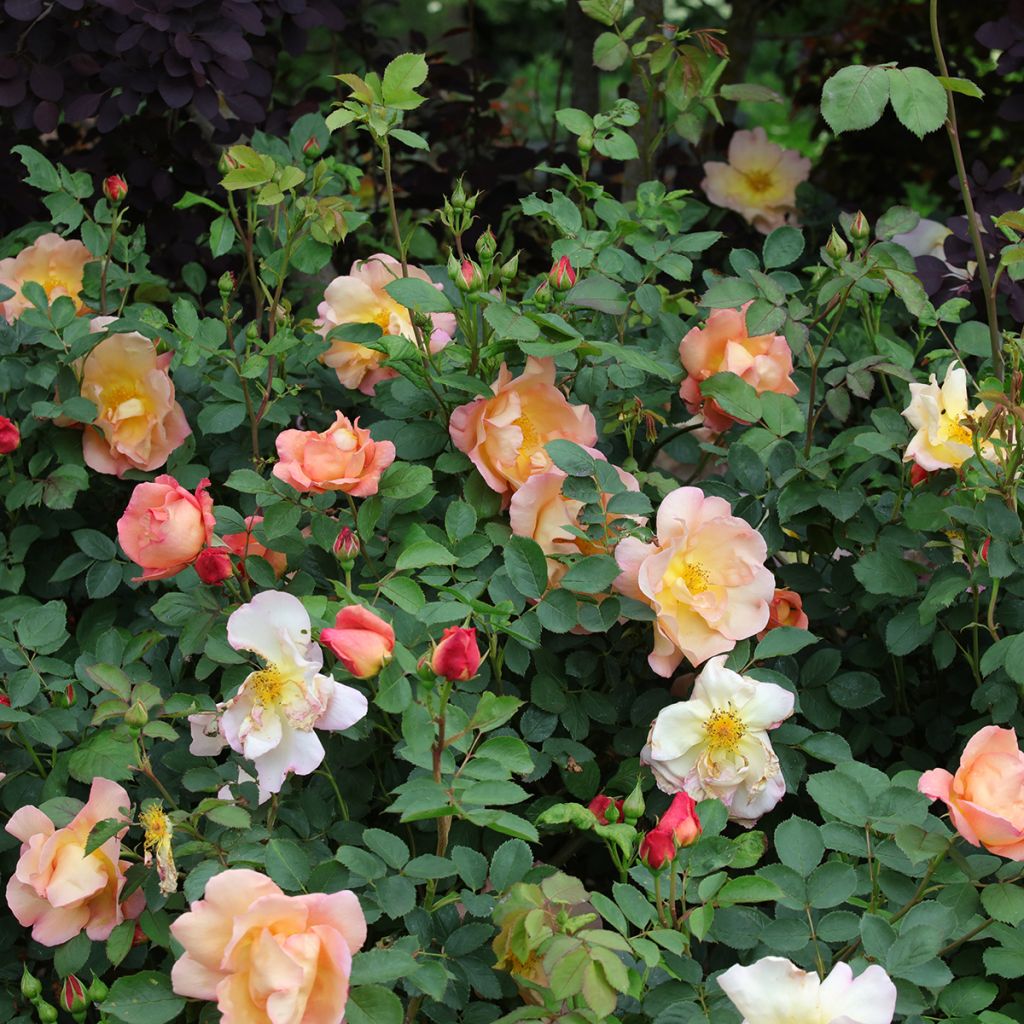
(625, 629)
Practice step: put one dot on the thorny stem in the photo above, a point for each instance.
(987, 287)
(957, 943)
(815, 363)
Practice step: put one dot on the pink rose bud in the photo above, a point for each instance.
(600, 806)
(657, 848)
(362, 641)
(115, 188)
(164, 527)
(346, 547)
(10, 436)
(562, 277)
(860, 230)
(214, 566)
(73, 996)
(456, 656)
(5, 700)
(681, 820)
(469, 277)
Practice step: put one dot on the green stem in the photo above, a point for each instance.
(987, 287)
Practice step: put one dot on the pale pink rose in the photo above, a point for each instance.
(242, 545)
(138, 422)
(268, 958)
(704, 576)
(764, 361)
(164, 527)
(505, 435)
(344, 457)
(360, 298)
(986, 796)
(55, 263)
(759, 181)
(56, 888)
(540, 511)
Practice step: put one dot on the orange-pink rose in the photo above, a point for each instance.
(361, 640)
(56, 264)
(360, 298)
(57, 888)
(986, 796)
(704, 576)
(540, 511)
(342, 458)
(505, 435)
(242, 545)
(164, 527)
(786, 609)
(138, 422)
(265, 957)
(764, 361)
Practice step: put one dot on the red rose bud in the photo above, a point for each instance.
(601, 805)
(10, 435)
(5, 700)
(562, 277)
(214, 566)
(311, 148)
(139, 937)
(657, 848)
(456, 656)
(469, 277)
(73, 997)
(346, 547)
(115, 188)
(984, 549)
(681, 820)
(918, 475)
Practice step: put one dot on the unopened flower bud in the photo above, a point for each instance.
(836, 247)
(136, 716)
(311, 149)
(47, 1013)
(5, 700)
(470, 278)
(457, 655)
(73, 996)
(860, 230)
(607, 810)
(561, 276)
(31, 987)
(213, 566)
(486, 247)
(918, 475)
(509, 269)
(98, 990)
(115, 188)
(10, 436)
(633, 806)
(226, 163)
(226, 284)
(458, 197)
(984, 549)
(585, 143)
(542, 296)
(346, 547)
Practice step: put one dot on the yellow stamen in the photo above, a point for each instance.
(760, 181)
(724, 729)
(957, 432)
(156, 824)
(696, 578)
(267, 685)
(531, 439)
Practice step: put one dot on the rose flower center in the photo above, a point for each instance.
(694, 575)
(267, 686)
(724, 729)
(759, 181)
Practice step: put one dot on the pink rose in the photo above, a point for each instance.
(268, 958)
(56, 888)
(457, 654)
(10, 436)
(164, 528)
(765, 362)
(342, 458)
(362, 641)
(505, 435)
(986, 796)
(704, 576)
(360, 298)
(55, 263)
(138, 422)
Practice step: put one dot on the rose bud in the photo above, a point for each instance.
(606, 809)
(98, 990)
(362, 641)
(213, 566)
(139, 937)
(860, 230)
(681, 820)
(509, 269)
(469, 277)
(73, 997)
(346, 547)
(836, 247)
(10, 435)
(562, 277)
(633, 806)
(31, 987)
(786, 608)
(486, 247)
(115, 188)
(984, 549)
(918, 475)
(456, 656)
(311, 148)
(5, 700)
(657, 848)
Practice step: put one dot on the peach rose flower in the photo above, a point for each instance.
(786, 609)
(704, 576)
(56, 888)
(55, 263)
(242, 545)
(986, 796)
(765, 362)
(342, 458)
(360, 298)
(265, 957)
(164, 527)
(361, 640)
(138, 422)
(540, 511)
(505, 435)
(758, 182)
